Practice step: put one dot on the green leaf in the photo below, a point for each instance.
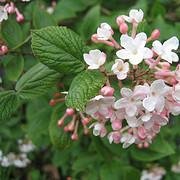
(12, 33)
(39, 121)
(59, 138)
(116, 170)
(158, 149)
(68, 8)
(59, 48)
(36, 81)
(14, 65)
(90, 22)
(8, 102)
(85, 86)
(42, 19)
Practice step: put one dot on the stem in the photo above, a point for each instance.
(116, 44)
(134, 29)
(144, 73)
(124, 129)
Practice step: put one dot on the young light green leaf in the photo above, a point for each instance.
(9, 103)
(59, 138)
(160, 148)
(36, 81)
(14, 65)
(85, 86)
(59, 48)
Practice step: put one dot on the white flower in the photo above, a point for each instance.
(130, 101)
(156, 98)
(120, 69)
(26, 147)
(95, 59)
(104, 32)
(134, 16)
(100, 106)
(127, 139)
(25, 0)
(3, 14)
(165, 50)
(135, 49)
(133, 121)
(99, 129)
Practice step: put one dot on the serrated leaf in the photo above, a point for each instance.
(85, 86)
(14, 65)
(159, 149)
(12, 33)
(36, 81)
(8, 102)
(59, 48)
(59, 138)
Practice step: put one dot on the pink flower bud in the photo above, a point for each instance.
(116, 125)
(141, 132)
(119, 20)
(70, 111)
(94, 38)
(165, 65)
(74, 136)
(60, 122)
(140, 146)
(71, 125)
(85, 121)
(19, 18)
(107, 91)
(52, 102)
(4, 49)
(10, 8)
(155, 34)
(66, 129)
(146, 144)
(123, 28)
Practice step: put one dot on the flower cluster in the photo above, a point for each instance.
(10, 8)
(19, 160)
(137, 115)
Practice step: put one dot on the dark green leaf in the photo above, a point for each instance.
(85, 86)
(8, 102)
(59, 138)
(36, 81)
(59, 48)
(159, 149)
(14, 65)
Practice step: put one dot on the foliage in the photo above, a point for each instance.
(41, 57)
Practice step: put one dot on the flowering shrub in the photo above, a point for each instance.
(111, 74)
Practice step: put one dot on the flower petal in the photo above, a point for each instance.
(126, 92)
(131, 110)
(171, 43)
(157, 47)
(149, 103)
(123, 54)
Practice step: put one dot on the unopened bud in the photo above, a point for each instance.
(52, 102)
(70, 111)
(74, 136)
(155, 34)
(107, 91)
(60, 122)
(4, 49)
(123, 28)
(19, 18)
(146, 145)
(85, 121)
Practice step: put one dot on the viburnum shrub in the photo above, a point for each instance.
(128, 101)
(145, 103)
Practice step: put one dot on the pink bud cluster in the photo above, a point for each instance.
(11, 8)
(140, 112)
(72, 126)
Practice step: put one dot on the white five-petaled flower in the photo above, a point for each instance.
(120, 69)
(127, 139)
(134, 49)
(3, 14)
(95, 59)
(155, 99)
(165, 50)
(130, 102)
(134, 16)
(104, 32)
